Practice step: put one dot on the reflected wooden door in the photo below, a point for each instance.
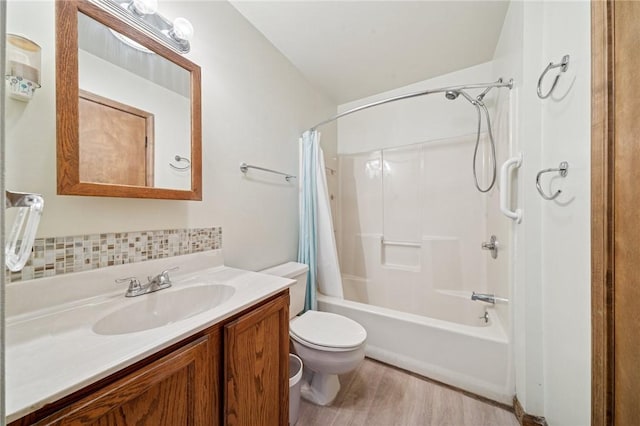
(616, 213)
(116, 142)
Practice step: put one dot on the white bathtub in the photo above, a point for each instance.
(471, 357)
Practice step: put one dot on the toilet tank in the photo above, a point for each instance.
(295, 271)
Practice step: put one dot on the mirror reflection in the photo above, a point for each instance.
(134, 112)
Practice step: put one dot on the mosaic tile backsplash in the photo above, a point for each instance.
(62, 255)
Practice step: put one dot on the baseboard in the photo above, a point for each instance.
(526, 419)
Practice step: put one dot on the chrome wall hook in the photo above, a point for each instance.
(564, 65)
(563, 169)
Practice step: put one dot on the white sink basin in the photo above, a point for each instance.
(163, 307)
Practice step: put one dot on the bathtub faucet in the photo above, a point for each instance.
(488, 298)
(483, 297)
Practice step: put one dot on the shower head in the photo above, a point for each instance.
(452, 94)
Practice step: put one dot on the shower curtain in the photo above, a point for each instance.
(316, 241)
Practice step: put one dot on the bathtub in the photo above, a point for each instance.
(475, 358)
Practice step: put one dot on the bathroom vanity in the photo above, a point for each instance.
(225, 365)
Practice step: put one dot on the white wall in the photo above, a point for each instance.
(254, 106)
(552, 275)
(566, 241)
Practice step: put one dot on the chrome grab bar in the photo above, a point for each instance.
(244, 168)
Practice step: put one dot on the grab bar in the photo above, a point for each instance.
(24, 228)
(505, 188)
(399, 243)
(244, 168)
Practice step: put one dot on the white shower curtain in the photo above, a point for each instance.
(316, 242)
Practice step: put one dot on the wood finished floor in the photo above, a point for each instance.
(379, 395)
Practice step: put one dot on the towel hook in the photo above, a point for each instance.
(564, 65)
(179, 159)
(563, 169)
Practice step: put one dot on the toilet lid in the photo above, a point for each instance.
(327, 329)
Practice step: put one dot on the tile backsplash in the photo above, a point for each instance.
(62, 255)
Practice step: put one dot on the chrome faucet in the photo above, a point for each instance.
(492, 246)
(483, 297)
(158, 282)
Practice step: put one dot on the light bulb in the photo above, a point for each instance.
(182, 29)
(145, 7)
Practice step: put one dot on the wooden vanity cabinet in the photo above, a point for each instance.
(256, 366)
(234, 373)
(173, 390)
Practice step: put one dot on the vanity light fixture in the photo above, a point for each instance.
(144, 16)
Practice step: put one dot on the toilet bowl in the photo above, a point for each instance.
(328, 344)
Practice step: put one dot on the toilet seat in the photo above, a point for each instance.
(327, 331)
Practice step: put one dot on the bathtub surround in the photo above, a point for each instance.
(62, 255)
(411, 225)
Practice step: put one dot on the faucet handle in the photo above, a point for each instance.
(166, 271)
(134, 283)
(163, 277)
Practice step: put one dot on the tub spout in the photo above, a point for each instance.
(489, 298)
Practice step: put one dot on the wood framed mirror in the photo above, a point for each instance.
(127, 108)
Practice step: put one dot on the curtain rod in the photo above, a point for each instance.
(498, 83)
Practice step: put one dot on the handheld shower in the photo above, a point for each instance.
(478, 103)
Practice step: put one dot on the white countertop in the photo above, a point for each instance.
(53, 351)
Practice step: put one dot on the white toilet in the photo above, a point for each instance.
(328, 344)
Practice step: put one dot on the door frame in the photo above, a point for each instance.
(602, 213)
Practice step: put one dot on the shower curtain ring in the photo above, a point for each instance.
(564, 65)
(563, 169)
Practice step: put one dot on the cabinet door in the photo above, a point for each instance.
(174, 390)
(256, 366)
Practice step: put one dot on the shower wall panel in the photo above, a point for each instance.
(412, 224)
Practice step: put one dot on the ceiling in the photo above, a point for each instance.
(353, 49)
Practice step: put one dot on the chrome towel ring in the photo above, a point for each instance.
(563, 169)
(564, 65)
(179, 159)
